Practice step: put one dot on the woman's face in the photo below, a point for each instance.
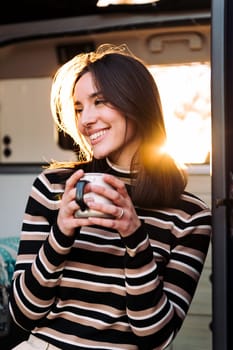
(106, 129)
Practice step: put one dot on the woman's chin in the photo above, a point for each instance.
(100, 155)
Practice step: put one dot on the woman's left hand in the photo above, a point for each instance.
(125, 219)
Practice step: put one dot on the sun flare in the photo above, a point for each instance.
(185, 96)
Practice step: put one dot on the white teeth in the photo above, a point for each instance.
(97, 134)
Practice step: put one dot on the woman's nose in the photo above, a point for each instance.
(88, 116)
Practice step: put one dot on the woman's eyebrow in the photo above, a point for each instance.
(77, 103)
(91, 96)
(95, 94)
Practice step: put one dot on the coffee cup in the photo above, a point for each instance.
(82, 196)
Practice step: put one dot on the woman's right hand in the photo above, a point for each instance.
(66, 220)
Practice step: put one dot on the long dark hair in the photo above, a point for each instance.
(128, 86)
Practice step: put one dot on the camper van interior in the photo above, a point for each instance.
(172, 38)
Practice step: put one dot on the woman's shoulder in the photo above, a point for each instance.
(57, 175)
(187, 206)
(192, 203)
(59, 172)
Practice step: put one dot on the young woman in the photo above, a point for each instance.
(125, 281)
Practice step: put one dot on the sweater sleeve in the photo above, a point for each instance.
(41, 256)
(159, 293)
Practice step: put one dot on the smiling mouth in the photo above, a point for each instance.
(98, 134)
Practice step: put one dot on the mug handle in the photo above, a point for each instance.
(79, 194)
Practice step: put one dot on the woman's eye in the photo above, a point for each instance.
(78, 110)
(99, 101)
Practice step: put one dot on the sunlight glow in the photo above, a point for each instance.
(185, 96)
(103, 3)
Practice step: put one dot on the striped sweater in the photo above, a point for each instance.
(90, 291)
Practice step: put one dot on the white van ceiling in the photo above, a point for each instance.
(28, 11)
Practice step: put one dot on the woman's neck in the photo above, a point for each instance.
(117, 166)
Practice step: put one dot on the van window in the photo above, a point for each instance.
(185, 96)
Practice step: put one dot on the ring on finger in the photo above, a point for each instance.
(119, 216)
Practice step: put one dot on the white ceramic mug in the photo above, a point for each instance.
(81, 196)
